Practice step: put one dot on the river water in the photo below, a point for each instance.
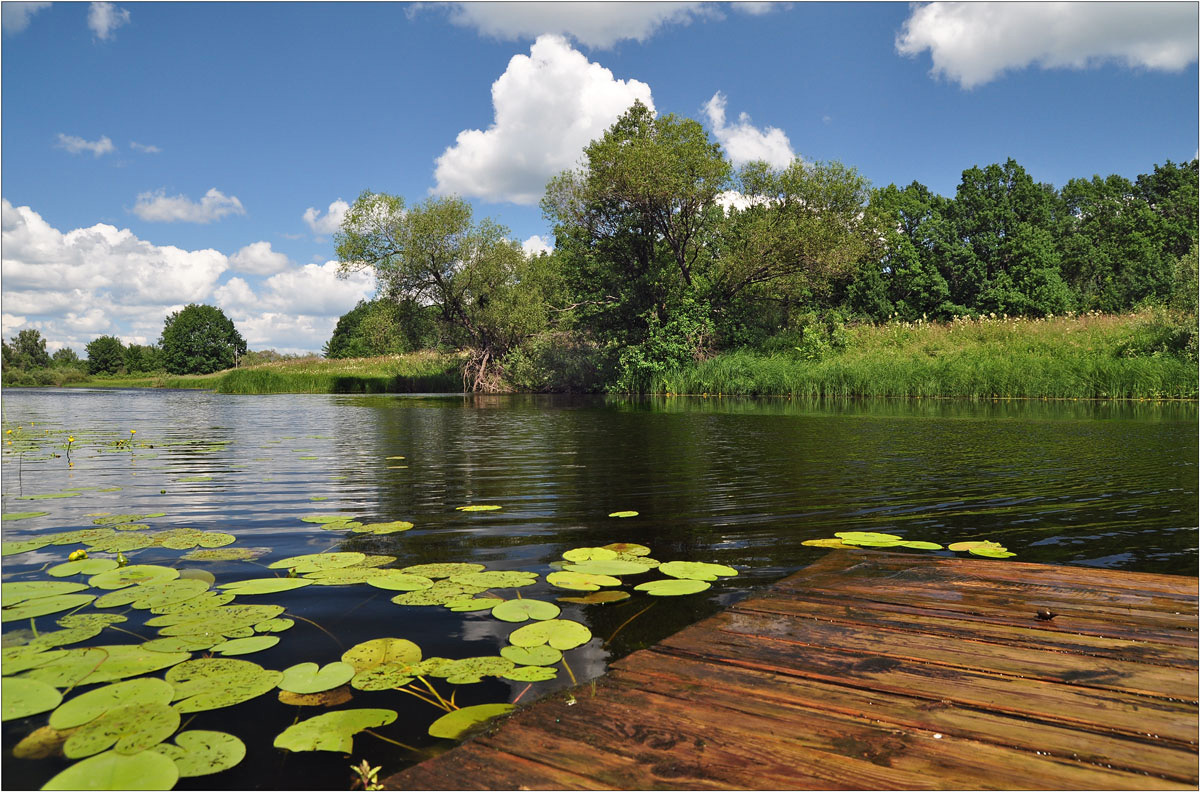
(734, 481)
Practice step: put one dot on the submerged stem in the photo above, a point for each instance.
(378, 736)
(622, 624)
(570, 673)
(319, 627)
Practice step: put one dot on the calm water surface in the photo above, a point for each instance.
(739, 482)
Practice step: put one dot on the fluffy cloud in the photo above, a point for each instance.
(162, 208)
(973, 43)
(548, 105)
(258, 259)
(598, 25)
(331, 221)
(104, 18)
(743, 141)
(535, 245)
(144, 148)
(77, 145)
(15, 16)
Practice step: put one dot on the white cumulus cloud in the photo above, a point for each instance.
(743, 141)
(77, 145)
(973, 43)
(159, 207)
(104, 18)
(144, 147)
(548, 105)
(535, 245)
(599, 25)
(15, 16)
(257, 258)
(328, 223)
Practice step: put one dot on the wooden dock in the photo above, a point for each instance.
(876, 670)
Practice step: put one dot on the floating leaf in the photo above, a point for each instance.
(346, 576)
(382, 528)
(590, 554)
(95, 664)
(42, 743)
(22, 658)
(342, 525)
(672, 588)
(868, 538)
(487, 580)
(274, 625)
(325, 518)
(213, 683)
(562, 634)
(520, 610)
(131, 575)
(579, 581)
(624, 514)
(127, 729)
(228, 554)
(200, 752)
(472, 604)
(94, 703)
(384, 677)
(532, 655)
(454, 725)
(918, 545)
(316, 562)
(86, 566)
(597, 598)
(154, 595)
(824, 543)
(112, 519)
(208, 600)
(394, 457)
(333, 731)
(184, 643)
(435, 571)
(531, 674)
(111, 770)
(44, 605)
(48, 496)
(15, 593)
(20, 698)
(477, 508)
(49, 640)
(23, 546)
(264, 585)
(241, 646)
(82, 535)
(187, 538)
(382, 651)
(440, 593)
(395, 580)
(194, 478)
(991, 552)
(90, 619)
(613, 567)
(628, 549)
(696, 570)
(121, 542)
(22, 515)
(327, 698)
(311, 678)
(475, 667)
(226, 620)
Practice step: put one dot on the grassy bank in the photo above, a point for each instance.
(1148, 355)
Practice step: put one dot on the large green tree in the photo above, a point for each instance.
(105, 355)
(200, 339)
(27, 351)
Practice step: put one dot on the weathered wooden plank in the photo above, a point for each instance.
(740, 688)
(475, 766)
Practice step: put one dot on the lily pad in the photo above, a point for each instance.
(440, 593)
(42, 743)
(381, 651)
(204, 601)
(477, 508)
(321, 519)
(531, 674)
(532, 655)
(580, 581)
(112, 519)
(395, 580)
(213, 683)
(597, 598)
(868, 538)
(22, 658)
(264, 585)
(95, 664)
(496, 579)
(132, 575)
(274, 625)
(346, 576)
(22, 515)
(561, 634)
(824, 543)
(228, 554)
(23, 546)
(241, 646)
(520, 610)
(70, 635)
(384, 677)
(194, 478)
(672, 588)
(154, 595)
(613, 567)
(121, 542)
(918, 545)
(23, 591)
(48, 496)
(20, 698)
(589, 554)
(328, 698)
(188, 538)
(90, 705)
(628, 549)
(333, 731)
(454, 725)
(80, 536)
(127, 729)
(184, 643)
(696, 570)
(226, 620)
(435, 571)
(624, 514)
(86, 566)
(200, 752)
(473, 604)
(90, 619)
(476, 667)
(311, 678)
(111, 770)
(382, 528)
(315, 562)
(44, 605)
(991, 552)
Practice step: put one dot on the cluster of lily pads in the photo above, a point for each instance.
(984, 548)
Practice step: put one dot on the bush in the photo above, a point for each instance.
(556, 363)
(105, 355)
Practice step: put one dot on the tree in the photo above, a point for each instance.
(27, 351)
(200, 339)
(483, 286)
(105, 355)
(383, 327)
(65, 358)
(139, 359)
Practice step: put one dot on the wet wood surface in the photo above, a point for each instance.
(876, 670)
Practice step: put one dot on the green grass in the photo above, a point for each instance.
(1148, 355)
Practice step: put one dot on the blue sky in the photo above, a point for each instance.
(156, 154)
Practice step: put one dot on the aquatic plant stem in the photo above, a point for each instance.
(622, 624)
(319, 627)
(446, 704)
(522, 693)
(423, 697)
(378, 736)
(570, 673)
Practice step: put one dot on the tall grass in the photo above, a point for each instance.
(416, 373)
(1149, 355)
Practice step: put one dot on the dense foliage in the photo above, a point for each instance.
(105, 355)
(200, 339)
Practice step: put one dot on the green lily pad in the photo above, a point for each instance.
(532, 655)
(343, 525)
(264, 585)
(22, 515)
(316, 562)
(131, 527)
(918, 545)
(184, 643)
(127, 729)
(628, 549)
(562, 634)
(440, 593)
(188, 538)
(96, 664)
(477, 508)
(153, 595)
(613, 567)
(216, 682)
(111, 770)
(395, 580)
(311, 678)
(991, 552)
(85, 566)
(208, 600)
(133, 574)
(201, 752)
(472, 604)
(590, 554)
(90, 705)
(435, 571)
(194, 479)
(241, 646)
(520, 610)
(384, 677)
(454, 725)
(16, 593)
(382, 651)
(329, 698)
(580, 581)
(226, 620)
(23, 546)
(624, 514)
(531, 674)
(321, 519)
(332, 731)
(20, 698)
(475, 667)
(346, 576)
(274, 625)
(44, 605)
(824, 543)
(121, 543)
(21, 658)
(487, 580)
(70, 635)
(597, 598)
(696, 570)
(394, 457)
(672, 588)
(90, 619)
(227, 554)
(48, 496)
(868, 538)
(112, 519)
(80, 536)
(382, 528)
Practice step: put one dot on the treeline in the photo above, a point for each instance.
(665, 256)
